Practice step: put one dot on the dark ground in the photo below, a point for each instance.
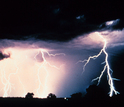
(61, 102)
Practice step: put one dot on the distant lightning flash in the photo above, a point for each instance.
(106, 67)
(8, 86)
(12, 69)
(43, 65)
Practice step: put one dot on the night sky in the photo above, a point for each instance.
(68, 28)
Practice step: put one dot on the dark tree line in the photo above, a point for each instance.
(93, 91)
(50, 96)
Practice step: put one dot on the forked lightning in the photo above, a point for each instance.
(106, 67)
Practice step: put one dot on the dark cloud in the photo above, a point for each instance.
(59, 20)
(2, 56)
(116, 24)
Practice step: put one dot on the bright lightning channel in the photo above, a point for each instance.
(106, 67)
(43, 65)
(8, 86)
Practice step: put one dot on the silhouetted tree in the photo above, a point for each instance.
(94, 91)
(29, 95)
(51, 96)
(76, 95)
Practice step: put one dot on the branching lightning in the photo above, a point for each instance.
(8, 86)
(10, 75)
(106, 67)
(43, 65)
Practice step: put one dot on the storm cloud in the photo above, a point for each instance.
(59, 20)
(61, 33)
(2, 56)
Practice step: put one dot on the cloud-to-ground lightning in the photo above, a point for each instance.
(43, 65)
(15, 69)
(8, 86)
(106, 67)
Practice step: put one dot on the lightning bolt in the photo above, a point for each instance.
(44, 66)
(106, 67)
(6, 82)
(8, 86)
(13, 72)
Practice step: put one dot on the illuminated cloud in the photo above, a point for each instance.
(62, 26)
(112, 22)
(26, 68)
